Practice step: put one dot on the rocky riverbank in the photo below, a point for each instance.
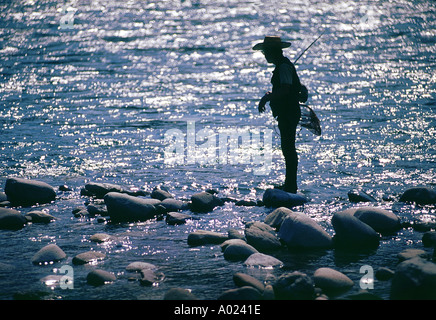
(257, 245)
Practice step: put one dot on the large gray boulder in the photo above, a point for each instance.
(414, 279)
(419, 195)
(381, 220)
(125, 208)
(352, 233)
(11, 219)
(300, 231)
(276, 198)
(24, 192)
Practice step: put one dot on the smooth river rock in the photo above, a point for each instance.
(332, 281)
(294, 286)
(179, 294)
(160, 194)
(204, 202)
(238, 250)
(262, 237)
(99, 190)
(100, 277)
(177, 218)
(24, 192)
(241, 280)
(300, 231)
(49, 254)
(137, 266)
(276, 217)
(414, 279)
(356, 195)
(352, 233)
(39, 217)
(101, 237)
(262, 260)
(419, 195)
(171, 204)
(243, 293)
(382, 221)
(411, 253)
(88, 257)
(126, 208)
(11, 219)
(202, 237)
(276, 198)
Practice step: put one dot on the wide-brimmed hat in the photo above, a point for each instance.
(272, 42)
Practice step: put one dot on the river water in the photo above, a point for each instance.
(89, 91)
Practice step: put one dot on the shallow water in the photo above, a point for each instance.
(93, 103)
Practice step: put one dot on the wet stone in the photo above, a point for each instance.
(49, 254)
(179, 294)
(176, 218)
(11, 219)
(101, 237)
(202, 237)
(39, 217)
(24, 192)
(137, 266)
(100, 277)
(262, 260)
(88, 257)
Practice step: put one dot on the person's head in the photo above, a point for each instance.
(272, 47)
(272, 55)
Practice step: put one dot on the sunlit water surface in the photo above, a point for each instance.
(93, 103)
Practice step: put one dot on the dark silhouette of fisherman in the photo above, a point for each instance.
(284, 102)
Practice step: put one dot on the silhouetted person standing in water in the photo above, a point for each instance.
(284, 103)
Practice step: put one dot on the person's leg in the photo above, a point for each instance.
(287, 136)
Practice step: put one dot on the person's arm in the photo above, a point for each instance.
(282, 93)
(284, 90)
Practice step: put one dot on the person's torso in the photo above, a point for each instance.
(289, 106)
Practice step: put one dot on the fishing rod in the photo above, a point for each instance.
(309, 47)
